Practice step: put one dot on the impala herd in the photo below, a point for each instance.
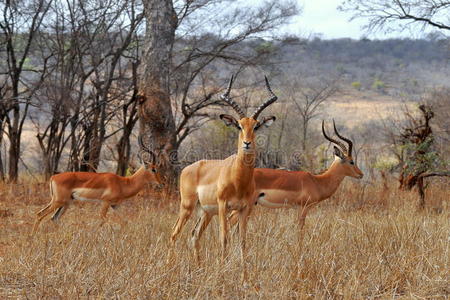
(232, 185)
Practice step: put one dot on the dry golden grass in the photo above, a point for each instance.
(355, 246)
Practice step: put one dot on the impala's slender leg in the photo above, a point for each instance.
(185, 213)
(198, 230)
(45, 212)
(181, 221)
(42, 211)
(187, 205)
(243, 219)
(233, 218)
(303, 210)
(41, 215)
(223, 225)
(103, 212)
(59, 212)
(115, 216)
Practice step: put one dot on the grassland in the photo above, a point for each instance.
(362, 243)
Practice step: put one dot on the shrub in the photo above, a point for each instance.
(356, 85)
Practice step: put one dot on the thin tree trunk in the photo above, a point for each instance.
(14, 145)
(2, 171)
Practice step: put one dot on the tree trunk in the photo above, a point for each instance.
(14, 146)
(74, 162)
(157, 124)
(2, 172)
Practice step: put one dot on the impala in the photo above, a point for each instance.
(107, 188)
(302, 190)
(218, 185)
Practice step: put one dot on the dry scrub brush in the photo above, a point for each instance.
(355, 246)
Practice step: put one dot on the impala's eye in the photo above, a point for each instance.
(153, 170)
(352, 162)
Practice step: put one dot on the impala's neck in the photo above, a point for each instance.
(330, 180)
(136, 181)
(244, 165)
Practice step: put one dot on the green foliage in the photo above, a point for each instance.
(356, 85)
(129, 171)
(378, 85)
(265, 47)
(27, 65)
(421, 157)
(385, 163)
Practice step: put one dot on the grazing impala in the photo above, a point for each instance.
(108, 188)
(218, 185)
(302, 190)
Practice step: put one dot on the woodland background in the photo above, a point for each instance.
(71, 84)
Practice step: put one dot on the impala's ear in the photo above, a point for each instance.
(267, 122)
(338, 153)
(229, 120)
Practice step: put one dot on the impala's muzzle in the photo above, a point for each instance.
(246, 145)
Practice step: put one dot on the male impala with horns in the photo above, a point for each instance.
(221, 185)
(303, 190)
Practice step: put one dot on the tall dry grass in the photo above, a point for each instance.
(362, 243)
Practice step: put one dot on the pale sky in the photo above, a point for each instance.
(322, 17)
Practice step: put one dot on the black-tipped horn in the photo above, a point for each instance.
(343, 148)
(271, 100)
(226, 97)
(349, 142)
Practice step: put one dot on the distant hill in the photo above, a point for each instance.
(404, 66)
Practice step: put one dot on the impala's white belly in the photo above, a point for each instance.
(89, 195)
(207, 193)
(207, 196)
(278, 199)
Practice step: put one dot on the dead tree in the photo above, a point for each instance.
(18, 23)
(388, 15)
(421, 159)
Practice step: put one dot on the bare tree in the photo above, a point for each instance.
(308, 97)
(19, 27)
(400, 14)
(92, 79)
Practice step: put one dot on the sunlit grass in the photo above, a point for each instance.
(354, 246)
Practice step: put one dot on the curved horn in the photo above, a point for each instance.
(349, 142)
(332, 140)
(271, 100)
(146, 149)
(226, 97)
